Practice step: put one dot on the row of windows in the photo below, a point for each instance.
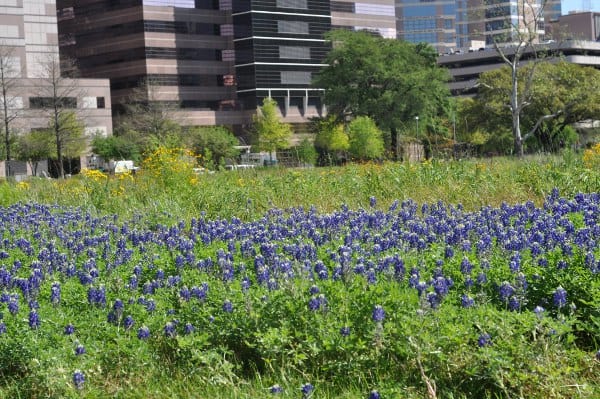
(142, 53)
(271, 24)
(306, 6)
(178, 27)
(131, 82)
(51, 102)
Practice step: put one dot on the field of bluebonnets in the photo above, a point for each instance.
(456, 279)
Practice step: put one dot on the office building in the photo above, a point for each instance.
(377, 16)
(29, 45)
(429, 22)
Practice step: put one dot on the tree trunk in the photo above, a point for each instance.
(515, 109)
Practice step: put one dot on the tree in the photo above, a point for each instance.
(148, 121)
(34, 147)
(8, 80)
(524, 37)
(559, 94)
(214, 143)
(331, 139)
(58, 97)
(272, 134)
(115, 147)
(388, 80)
(366, 140)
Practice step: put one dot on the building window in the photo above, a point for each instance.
(297, 27)
(301, 4)
(294, 52)
(296, 77)
(49, 102)
(100, 102)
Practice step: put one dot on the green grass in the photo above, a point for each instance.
(282, 342)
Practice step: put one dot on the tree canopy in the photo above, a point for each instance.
(559, 94)
(390, 81)
(272, 134)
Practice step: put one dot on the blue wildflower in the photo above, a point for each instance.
(143, 332)
(79, 350)
(169, 329)
(227, 306)
(78, 379)
(345, 331)
(374, 395)
(307, 389)
(378, 314)
(34, 320)
(560, 297)
(69, 329)
(484, 340)
(276, 389)
(128, 322)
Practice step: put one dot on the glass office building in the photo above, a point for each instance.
(429, 22)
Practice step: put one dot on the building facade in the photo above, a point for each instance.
(29, 53)
(377, 16)
(459, 25)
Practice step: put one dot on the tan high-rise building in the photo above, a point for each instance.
(29, 45)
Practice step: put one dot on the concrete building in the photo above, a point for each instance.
(29, 50)
(466, 68)
(578, 26)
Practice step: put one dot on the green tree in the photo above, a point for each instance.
(147, 121)
(272, 134)
(559, 94)
(366, 140)
(59, 96)
(35, 146)
(214, 143)
(331, 140)
(390, 81)
(115, 147)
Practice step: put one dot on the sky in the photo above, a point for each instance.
(568, 5)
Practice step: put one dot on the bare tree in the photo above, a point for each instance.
(9, 73)
(522, 38)
(58, 96)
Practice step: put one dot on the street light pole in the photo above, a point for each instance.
(417, 119)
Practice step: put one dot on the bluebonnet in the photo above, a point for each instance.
(374, 394)
(169, 329)
(307, 389)
(79, 350)
(143, 332)
(189, 328)
(275, 389)
(34, 320)
(69, 329)
(345, 331)
(467, 301)
(55, 293)
(484, 340)
(2, 328)
(378, 314)
(559, 297)
(128, 322)
(13, 307)
(227, 306)
(78, 379)
(539, 311)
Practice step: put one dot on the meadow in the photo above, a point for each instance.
(442, 279)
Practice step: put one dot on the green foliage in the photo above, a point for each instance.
(272, 134)
(115, 147)
(306, 152)
(557, 95)
(390, 81)
(214, 143)
(366, 141)
(71, 139)
(35, 146)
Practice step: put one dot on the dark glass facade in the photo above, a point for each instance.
(279, 46)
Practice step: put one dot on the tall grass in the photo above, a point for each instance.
(166, 188)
